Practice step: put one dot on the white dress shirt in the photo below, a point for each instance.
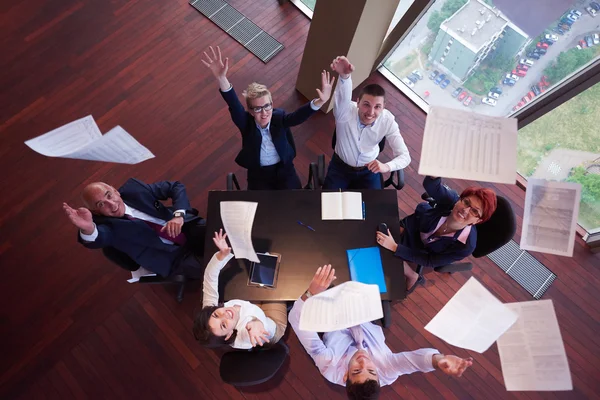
(132, 212)
(332, 354)
(248, 311)
(357, 144)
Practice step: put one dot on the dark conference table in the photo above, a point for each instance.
(276, 230)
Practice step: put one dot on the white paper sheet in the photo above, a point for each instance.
(343, 306)
(472, 319)
(550, 216)
(341, 205)
(238, 217)
(466, 145)
(532, 352)
(82, 140)
(137, 274)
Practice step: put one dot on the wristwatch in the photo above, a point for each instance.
(308, 294)
(178, 214)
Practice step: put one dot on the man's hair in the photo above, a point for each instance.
(373, 89)
(487, 198)
(202, 331)
(368, 390)
(256, 91)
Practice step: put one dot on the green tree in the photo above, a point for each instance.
(435, 20)
(567, 63)
(437, 17)
(590, 184)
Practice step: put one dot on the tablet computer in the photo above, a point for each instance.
(264, 274)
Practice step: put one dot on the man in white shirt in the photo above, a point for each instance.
(133, 220)
(359, 128)
(358, 357)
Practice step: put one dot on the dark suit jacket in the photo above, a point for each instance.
(136, 238)
(249, 156)
(443, 251)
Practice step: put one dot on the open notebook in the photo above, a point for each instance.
(341, 205)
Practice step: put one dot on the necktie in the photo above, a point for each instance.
(358, 335)
(179, 239)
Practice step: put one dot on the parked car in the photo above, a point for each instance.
(595, 5)
(572, 17)
(523, 67)
(488, 101)
(408, 82)
(596, 38)
(519, 72)
(496, 89)
(530, 95)
(445, 83)
(536, 90)
(591, 11)
(558, 30)
(512, 76)
(462, 96)
(467, 101)
(520, 104)
(565, 27)
(554, 38)
(542, 45)
(413, 78)
(583, 44)
(533, 55)
(566, 21)
(589, 41)
(418, 74)
(547, 41)
(456, 92)
(439, 79)
(493, 95)
(433, 75)
(576, 12)
(508, 81)
(527, 62)
(542, 51)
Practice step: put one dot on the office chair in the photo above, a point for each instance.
(124, 261)
(396, 179)
(252, 367)
(491, 234)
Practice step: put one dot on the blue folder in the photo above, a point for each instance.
(365, 266)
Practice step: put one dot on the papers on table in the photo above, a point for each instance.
(341, 205)
(465, 145)
(532, 353)
(550, 216)
(137, 274)
(82, 140)
(238, 217)
(341, 307)
(473, 318)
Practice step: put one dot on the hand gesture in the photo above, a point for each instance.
(376, 166)
(221, 243)
(342, 66)
(326, 87)
(322, 279)
(257, 333)
(173, 227)
(386, 241)
(453, 365)
(81, 218)
(215, 64)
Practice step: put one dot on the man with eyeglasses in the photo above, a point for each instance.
(440, 235)
(268, 148)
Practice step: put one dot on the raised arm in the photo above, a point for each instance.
(304, 112)
(213, 269)
(408, 362)
(343, 91)
(440, 192)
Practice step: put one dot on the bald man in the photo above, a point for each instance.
(164, 240)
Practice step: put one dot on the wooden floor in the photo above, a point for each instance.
(72, 327)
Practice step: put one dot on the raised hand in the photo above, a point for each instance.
(342, 66)
(257, 333)
(326, 88)
(217, 66)
(453, 365)
(81, 218)
(322, 279)
(220, 241)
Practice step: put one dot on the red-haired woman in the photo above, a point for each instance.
(440, 235)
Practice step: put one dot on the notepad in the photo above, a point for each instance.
(365, 266)
(341, 205)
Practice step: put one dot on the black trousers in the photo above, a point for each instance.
(190, 261)
(274, 177)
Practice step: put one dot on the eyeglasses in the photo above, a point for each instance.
(266, 107)
(473, 211)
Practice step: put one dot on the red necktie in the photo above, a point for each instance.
(179, 239)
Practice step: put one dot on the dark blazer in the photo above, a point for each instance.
(136, 238)
(249, 156)
(443, 251)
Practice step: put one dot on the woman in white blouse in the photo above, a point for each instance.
(237, 323)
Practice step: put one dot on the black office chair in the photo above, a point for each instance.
(124, 261)
(396, 179)
(491, 234)
(252, 367)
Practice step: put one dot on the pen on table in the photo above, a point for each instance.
(364, 211)
(308, 226)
